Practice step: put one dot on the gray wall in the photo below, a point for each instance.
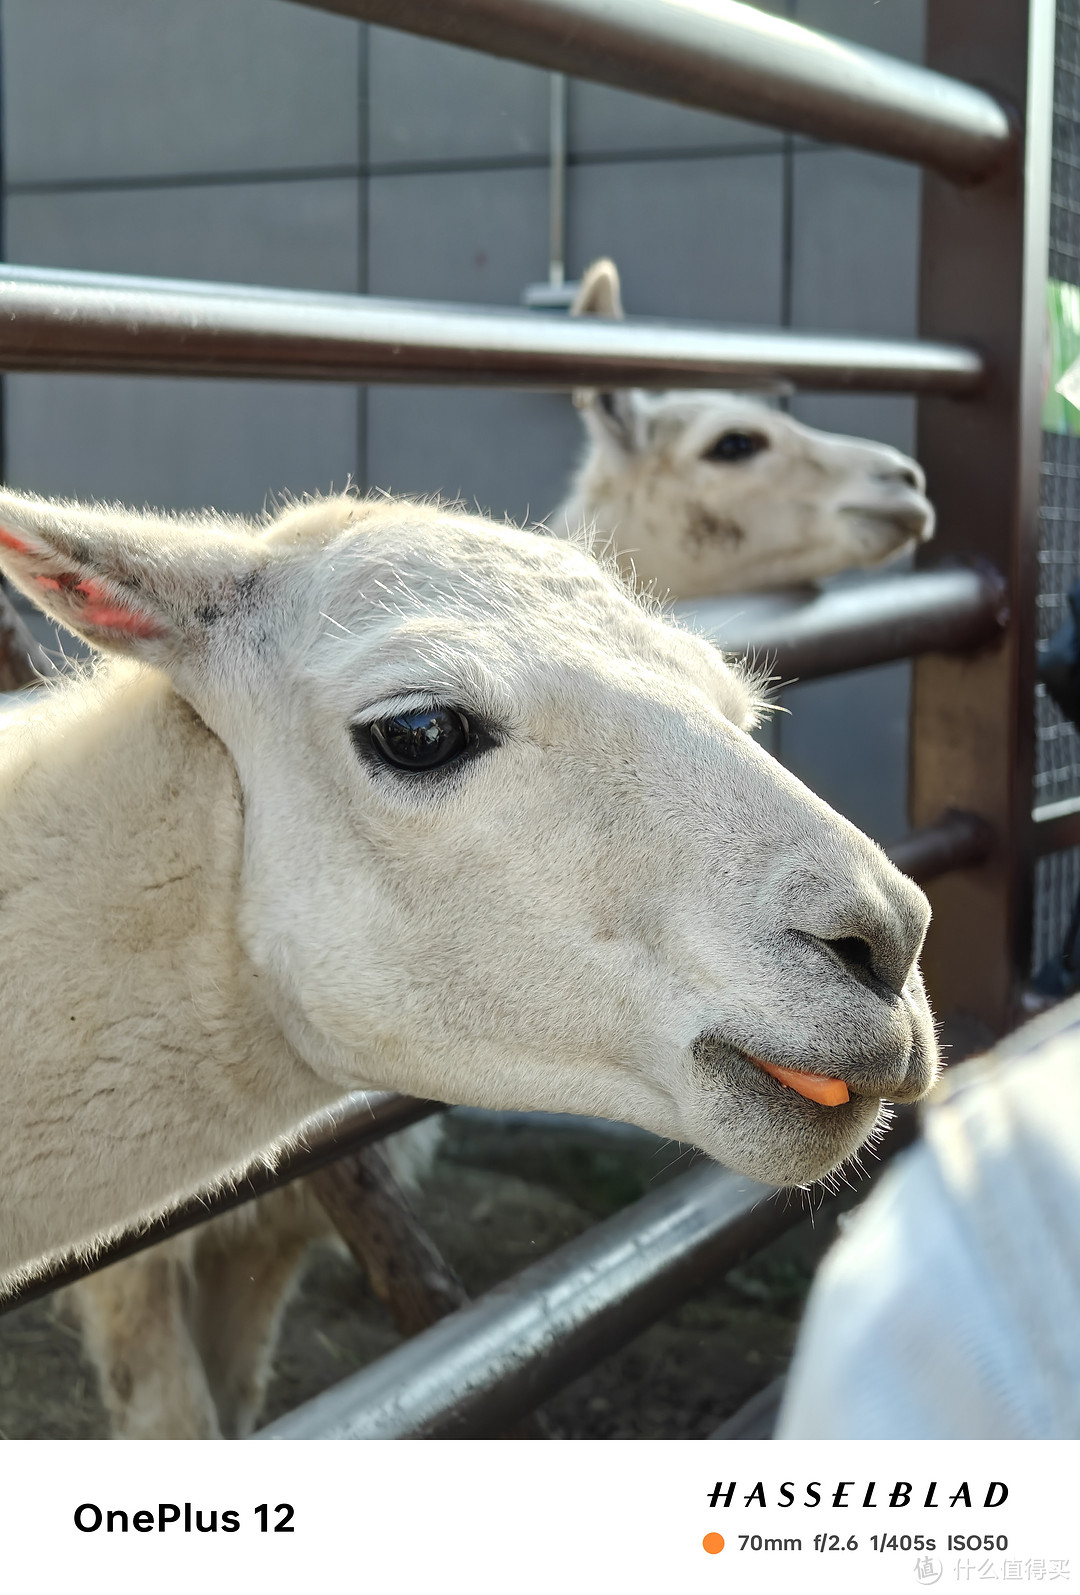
(257, 141)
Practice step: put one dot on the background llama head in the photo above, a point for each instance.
(709, 492)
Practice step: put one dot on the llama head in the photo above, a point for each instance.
(700, 492)
(506, 839)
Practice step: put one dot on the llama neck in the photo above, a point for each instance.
(137, 1058)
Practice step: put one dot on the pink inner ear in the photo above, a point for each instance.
(94, 605)
(16, 544)
(101, 611)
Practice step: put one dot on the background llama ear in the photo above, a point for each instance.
(611, 414)
(616, 417)
(138, 584)
(599, 293)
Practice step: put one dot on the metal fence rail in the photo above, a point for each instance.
(53, 320)
(356, 1121)
(728, 57)
(486, 1365)
(851, 628)
(957, 841)
(482, 1368)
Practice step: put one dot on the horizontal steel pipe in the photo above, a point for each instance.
(805, 634)
(87, 321)
(356, 1121)
(958, 841)
(723, 56)
(480, 1370)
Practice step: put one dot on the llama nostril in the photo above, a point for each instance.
(854, 951)
(856, 954)
(870, 925)
(909, 475)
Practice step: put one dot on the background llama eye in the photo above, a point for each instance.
(420, 739)
(731, 447)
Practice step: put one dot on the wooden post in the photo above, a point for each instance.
(407, 1271)
(983, 271)
(377, 1222)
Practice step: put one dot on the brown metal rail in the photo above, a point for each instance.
(850, 628)
(479, 1370)
(958, 841)
(733, 58)
(805, 636)
(88, 321)
(356, 1121)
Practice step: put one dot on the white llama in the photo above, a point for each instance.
(702, 493)
(720, 493)
(380, 796)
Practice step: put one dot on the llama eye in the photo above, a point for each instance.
(731, 447)
(420, 739)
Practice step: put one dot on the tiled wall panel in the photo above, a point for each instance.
(104, 90)
(506, 453)
(431, 104)
(178, 445)
(477, 237)
(698, 238)
(284, 234)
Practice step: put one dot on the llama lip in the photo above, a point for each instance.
(793, 1084)
(903, 521)
(823, 1088)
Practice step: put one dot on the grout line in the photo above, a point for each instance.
(383, 169)
(108, 185)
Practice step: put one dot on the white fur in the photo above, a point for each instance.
(806, 505)
(182, 1337)
(219, 910)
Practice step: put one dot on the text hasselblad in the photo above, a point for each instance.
(849, 1492)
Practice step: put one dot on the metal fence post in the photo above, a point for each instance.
(983, 269)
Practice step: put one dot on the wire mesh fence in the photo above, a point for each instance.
(1057, 757)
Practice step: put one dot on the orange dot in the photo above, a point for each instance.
(713, 1543)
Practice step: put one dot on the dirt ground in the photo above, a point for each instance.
(499, 1199)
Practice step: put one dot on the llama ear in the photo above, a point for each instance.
(615, 412)
(138, 584)
(599, 293)
(616, 417)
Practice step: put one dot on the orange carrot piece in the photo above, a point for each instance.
(818, 1087)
